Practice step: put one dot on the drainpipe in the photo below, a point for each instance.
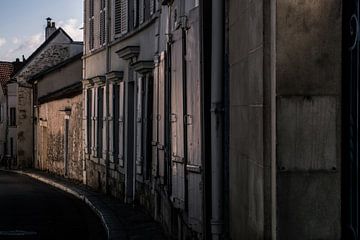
(217, 117)
(108, 69)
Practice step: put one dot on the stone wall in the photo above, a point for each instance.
(50, 132)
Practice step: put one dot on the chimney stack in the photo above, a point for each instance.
(50, 28)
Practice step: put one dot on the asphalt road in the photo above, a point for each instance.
(32, 210)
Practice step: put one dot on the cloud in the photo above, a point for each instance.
(24, 45)
(72, 27)
(2, 41)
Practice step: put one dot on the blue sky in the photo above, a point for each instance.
(22, 24)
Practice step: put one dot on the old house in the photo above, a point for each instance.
(58, 118)
(57, 47)
(142, 125)
(6, 70)
(8, 110)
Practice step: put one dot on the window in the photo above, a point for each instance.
(152, 6)
(100, 124)
(89, 120)
(1, 113)
(12, 116)
(116, 104)
(136, 11)
(121, 16)
(91, 24)
(102, 22)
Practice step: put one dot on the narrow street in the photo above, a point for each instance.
(33, 210)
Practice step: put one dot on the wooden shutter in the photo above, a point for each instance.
(102, 23)
(91, 25)
(117, 16)
(177, 122)
(141, 11)
(121, 123)
(124, 16)
(136, 10)
(161, 115)
(193, 124)
(152, 6)
(139, 130)
(155, 121)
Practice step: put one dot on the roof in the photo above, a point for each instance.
(57, 66)
(6, 71)
(43, 45)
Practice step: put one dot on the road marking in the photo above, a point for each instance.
(17, 233)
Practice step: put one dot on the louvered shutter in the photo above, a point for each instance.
(152, 6)
(124, 16)
(91, 24)
(117, 16)
(141, 11)
(136, 10)
(102, 23)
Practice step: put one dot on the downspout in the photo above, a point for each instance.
(108, 69)
(217, 117)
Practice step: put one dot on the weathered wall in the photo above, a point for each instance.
(65, 76)
(308, 118)
(12, 103)
(50, 132)
(247, 106)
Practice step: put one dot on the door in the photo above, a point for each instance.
(350, 167)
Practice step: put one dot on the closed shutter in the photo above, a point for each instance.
(117, 16)
(139, 119)
(121, 124)
(152, 6)
(155, 121)
(177, 122)
(124, 16)
(161, 114)
(193, 125)
(136, 10)
(102, 23)
(116, 110)
(91, 24)
(141, 11)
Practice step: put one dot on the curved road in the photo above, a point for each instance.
(32, 210)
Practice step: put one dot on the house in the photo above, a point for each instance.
(6, 70)
(142, 116)
(57, 47)
(8, 110)
(57, 94)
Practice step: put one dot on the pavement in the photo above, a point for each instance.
(121, 221)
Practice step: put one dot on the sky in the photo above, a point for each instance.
(23, 22)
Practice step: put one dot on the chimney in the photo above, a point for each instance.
(50, 28)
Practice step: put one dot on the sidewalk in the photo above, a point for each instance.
(121, 221)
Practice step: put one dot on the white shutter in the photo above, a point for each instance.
(152, 5)
(136, 10)
(141, 11)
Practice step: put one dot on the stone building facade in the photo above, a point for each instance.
(58, 119)
(138, 57)
(57, 47)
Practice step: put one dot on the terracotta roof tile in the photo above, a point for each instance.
(6, 71)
